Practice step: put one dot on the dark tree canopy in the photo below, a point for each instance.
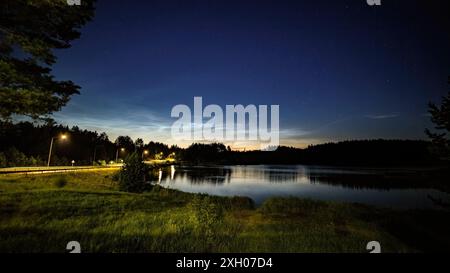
(29, 32)
(125, 142)
(440, 116)
(139, 144)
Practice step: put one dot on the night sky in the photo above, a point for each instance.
(338, 69)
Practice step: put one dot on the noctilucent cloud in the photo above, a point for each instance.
(338, 69)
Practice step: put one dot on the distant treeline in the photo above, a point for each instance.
(27, 144)
(356, 152)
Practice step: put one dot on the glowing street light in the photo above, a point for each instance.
(145, 152)
(62, 137)
(117, 153)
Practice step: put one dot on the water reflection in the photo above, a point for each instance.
(380, 187)
(172, 172)
(348, 178)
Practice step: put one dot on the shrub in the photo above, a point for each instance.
(15, 158)
(208, 215)
(132, 176)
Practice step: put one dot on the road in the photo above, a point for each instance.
(62, 169)
(55, 169)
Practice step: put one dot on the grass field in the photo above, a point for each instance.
(42, 213)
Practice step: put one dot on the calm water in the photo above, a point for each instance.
(259, 182)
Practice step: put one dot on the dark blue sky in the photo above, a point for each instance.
(338, 69)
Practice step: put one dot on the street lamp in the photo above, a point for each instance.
(95, 153)
(145, 152)
(62, 137)
(117, 153)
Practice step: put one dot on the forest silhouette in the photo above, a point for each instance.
(26, 144)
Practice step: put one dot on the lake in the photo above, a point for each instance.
(398, 188)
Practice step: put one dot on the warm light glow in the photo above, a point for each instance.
(172, 172)
(122, 149)
(145, 152)
(63, 137)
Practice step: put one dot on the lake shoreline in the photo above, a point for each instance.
(41, 213)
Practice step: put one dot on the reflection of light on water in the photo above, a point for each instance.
(160, 176)
(262, 182)
(172, 172)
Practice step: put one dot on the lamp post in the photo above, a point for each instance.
(62, 137)
(117, 153)
(95, 153)
(145, 152)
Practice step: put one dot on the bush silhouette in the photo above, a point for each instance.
(132, 176)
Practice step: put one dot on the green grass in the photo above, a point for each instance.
(42, 213)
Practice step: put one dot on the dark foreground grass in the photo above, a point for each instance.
(43, 213)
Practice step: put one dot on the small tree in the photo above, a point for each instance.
(208, 218)
(440, 116)
(132, 176)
